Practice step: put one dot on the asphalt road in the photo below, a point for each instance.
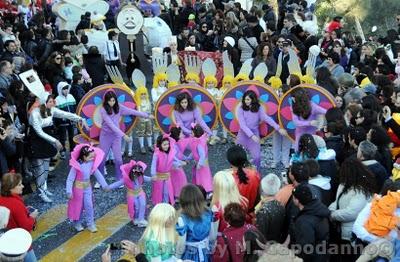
(104, 202)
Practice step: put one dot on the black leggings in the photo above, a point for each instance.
(62, 130)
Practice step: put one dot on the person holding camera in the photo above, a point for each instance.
(128, 247)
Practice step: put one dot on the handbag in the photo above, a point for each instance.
(335, 227)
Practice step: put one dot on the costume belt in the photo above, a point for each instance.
(200, 245)
(81, 184)
(163, 176)
(134, 192)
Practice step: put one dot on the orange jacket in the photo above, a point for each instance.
(382, 217)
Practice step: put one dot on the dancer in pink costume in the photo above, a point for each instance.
(178, 174)
(133, 177)
(85, 161)
(111, 134)
(198, 145)
(164, 160)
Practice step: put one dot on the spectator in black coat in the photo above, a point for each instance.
(270, 214)
(311, 226)
(379, 137)
(95, 66)
(366, 153)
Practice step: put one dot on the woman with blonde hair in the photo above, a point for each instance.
(159, 239)
(226, 192)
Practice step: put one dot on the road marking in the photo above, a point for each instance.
(84, 242)
(128, 258)
(50, 219)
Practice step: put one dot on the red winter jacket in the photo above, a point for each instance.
(19, 216)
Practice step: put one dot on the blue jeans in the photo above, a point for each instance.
(30, 256)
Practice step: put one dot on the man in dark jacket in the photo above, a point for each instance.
(310, 231)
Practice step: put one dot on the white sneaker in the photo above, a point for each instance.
(273, 165)
(130, 154)
(92, 228)
(45, 198)
(97, 185)
(78, 227)
(142, 223)
(105, 171)
(135, 222)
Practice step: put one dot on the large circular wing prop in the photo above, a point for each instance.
(165, 106)
(232, 99)
(92, 102)
(318, 95)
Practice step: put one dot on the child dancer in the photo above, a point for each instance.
(133, 177)
(111, 134)
(145, 126)
(201, 172)
(159, 239)
(193, 69)
(177, 173)
(84, 162)
(164, 160)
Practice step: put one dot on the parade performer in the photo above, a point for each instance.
(43, 145)
(186, 113)
(229, 74)
(133, 178)
(173, 75)
(177, 173)
(210, 84)
(250, 114)
(159, 239)
(193, 69)
(145, 125)
(84, 162)
(111, 134)
(201, 171)
(160, 63)
(164, 160)
(305, 114)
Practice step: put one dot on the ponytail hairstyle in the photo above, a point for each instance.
(136, 171)
(44, 111)
(197, 130)
(237, 157)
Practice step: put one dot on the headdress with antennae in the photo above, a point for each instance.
(244, 71)
(209, 71)
(160, 64)
(229, 73)
(260, 72)
(173, 75)
(193, 68)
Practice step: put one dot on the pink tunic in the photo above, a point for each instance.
(76, 203)
(177, 173)
(201, 176)
(132, 186)
(162, 164)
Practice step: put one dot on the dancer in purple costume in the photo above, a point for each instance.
(84, 162)
(305, 114)
(178, 174)
(201, 172)
(250, 115)
(164, 160)
(133, 177)
(111, 134)
(186, 113)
